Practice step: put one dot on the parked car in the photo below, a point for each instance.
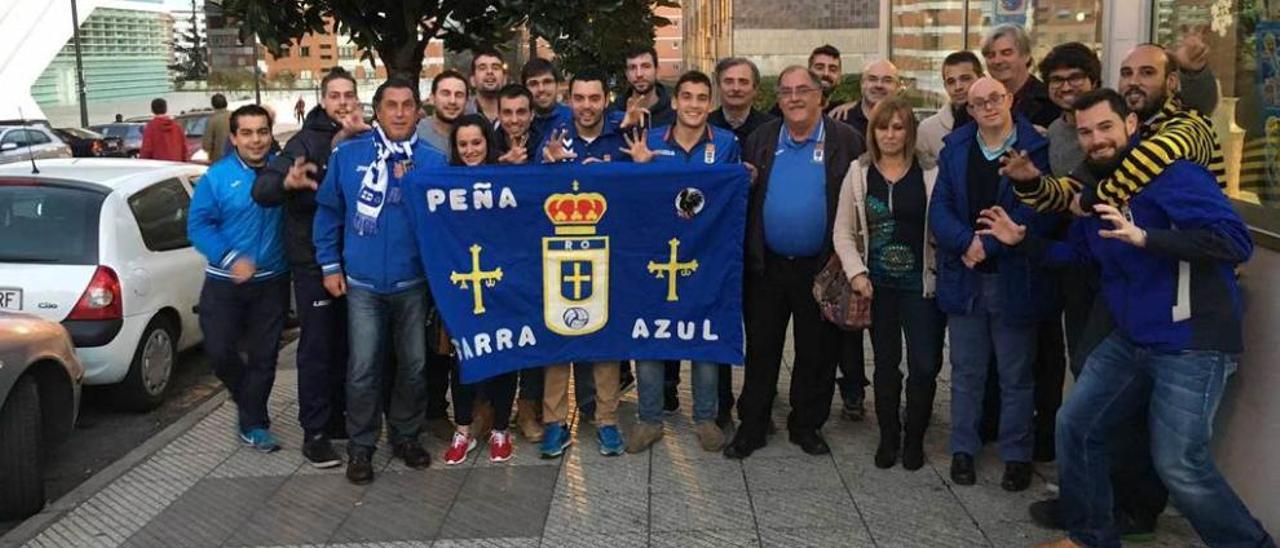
(39, 399)
(20, 143)
(88, 144)
(100, 245)
(129, 133)
(194, 125)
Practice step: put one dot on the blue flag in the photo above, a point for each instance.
(539, 265)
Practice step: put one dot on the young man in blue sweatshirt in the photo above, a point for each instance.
(246, 287)
(689, 141)
(1167, 273)
(367, 250)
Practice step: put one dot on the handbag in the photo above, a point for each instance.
(837, 301)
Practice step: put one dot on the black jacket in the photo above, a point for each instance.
(755, 119)
(842, 147)
(660, 114)
(313, 142)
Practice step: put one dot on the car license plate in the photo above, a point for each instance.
(10, 299)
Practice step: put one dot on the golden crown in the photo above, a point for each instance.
(575, 213)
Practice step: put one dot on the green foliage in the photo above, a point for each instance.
(850, 89)
(593, 34)
(191, 65)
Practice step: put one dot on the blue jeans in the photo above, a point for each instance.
(1181, 392)
(650, 381)
(378, 323)
(974, 337)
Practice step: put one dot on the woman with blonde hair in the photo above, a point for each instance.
(882, 237)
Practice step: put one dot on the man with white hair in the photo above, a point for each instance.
(1007, 49)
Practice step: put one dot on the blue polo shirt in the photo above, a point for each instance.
(717, 146)
(795, 204)
(607, 146)
(559, 115)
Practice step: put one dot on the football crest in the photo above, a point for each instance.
(575, 265)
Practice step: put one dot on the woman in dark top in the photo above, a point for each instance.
(882, 237)
(471, 144)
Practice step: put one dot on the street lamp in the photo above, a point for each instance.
(75, 40)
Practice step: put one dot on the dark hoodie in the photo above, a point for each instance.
(660, 114)
(164, 139)
(313, 142)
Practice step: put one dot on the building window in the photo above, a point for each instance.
(306, 51)
(326, 57)
(326, 46)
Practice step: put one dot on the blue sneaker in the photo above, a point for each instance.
(260, 439)
(610, 441)
(555, 439)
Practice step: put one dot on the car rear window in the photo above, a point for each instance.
(48, 224)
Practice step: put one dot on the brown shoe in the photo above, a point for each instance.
(1061, 543)
(527, 420)
(643, 436)
(482, 420)
(709, 435)
(441, 428)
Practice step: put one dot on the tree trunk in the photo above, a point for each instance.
(404, 60)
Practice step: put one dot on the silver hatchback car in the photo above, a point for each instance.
(20, 143)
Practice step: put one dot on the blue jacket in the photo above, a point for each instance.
(225, 224)
(1179, 292)
(560, 115)
(607, 146)
(717, 146)
(383, 261)
(1027, 293)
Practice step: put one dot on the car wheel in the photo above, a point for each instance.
(144, 386)
(21, 486)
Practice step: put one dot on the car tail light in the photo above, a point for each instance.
(102, 300)
(97, 148)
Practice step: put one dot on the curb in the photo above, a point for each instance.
(55, 510)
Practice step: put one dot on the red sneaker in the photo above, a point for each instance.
(461, 446)
(500, 446)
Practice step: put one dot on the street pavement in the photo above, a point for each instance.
(195, 485)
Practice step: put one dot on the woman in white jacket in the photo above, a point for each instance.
(882, 237)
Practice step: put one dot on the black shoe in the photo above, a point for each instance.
(810, 442)
(741, 447)
(412, 453)
(1047, 514)
(853, 407)
(724, 418)
(320, 453)
(913, 454)
(670, 400)
(360, 467)
(1132, 529)
(886, 453)
(1017, 476)
(962, 471)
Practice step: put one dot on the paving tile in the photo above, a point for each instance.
(499, 542)
(439, 486)
(501, 502)
(576, 539)
(803, 508)
(291, 522)
(844, 536)
(725, 510)
(807, 472)
(164, 467)
(393, 544)
(249, 463)
(704, 538)
(624, 474)
(405, 519)
(113, 514)
(921, 512)
(208, 512)
(696, 476)
(608, 513)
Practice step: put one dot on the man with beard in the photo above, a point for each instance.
(738, 80)
(543, 81)
(1149, 81)
(449, 92)
(246, 284)
(588, 137)
(825, 62)
(1167, 261)
(960, 69)
(646, 103)
(879, 82)
(291, 180)
(1008, 52)
(517, 141)
(488, 75)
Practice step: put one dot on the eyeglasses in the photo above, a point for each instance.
(992, 101)
(798, 92)
(1076, 79)
(886, 80)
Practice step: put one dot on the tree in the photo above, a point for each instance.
(191, 53)
(397, 30)
(594, 33)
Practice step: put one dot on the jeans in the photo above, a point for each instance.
(649, 379)
(379, 324)
(251, 313)
(322, 355)
(894, 314)
(499, 391)
(1181, 392)
(852, 364)
(974, 338)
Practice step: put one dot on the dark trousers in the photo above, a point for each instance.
(499, 391)
(851, 360)
(249, 314)
(437, 376)
(1049, 371)
(896, 314)
(785, 293)
(322, 355)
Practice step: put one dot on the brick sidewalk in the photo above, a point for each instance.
(204, 489)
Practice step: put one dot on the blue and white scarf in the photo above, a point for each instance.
(373, 188)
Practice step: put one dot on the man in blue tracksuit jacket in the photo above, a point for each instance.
(1167, 273)
(992, 294)
(246, 287)
(367, 250)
